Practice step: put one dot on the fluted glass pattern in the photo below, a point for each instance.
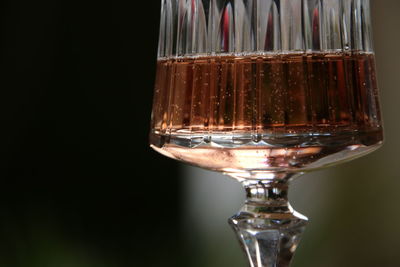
(264, 74)
(198, 27)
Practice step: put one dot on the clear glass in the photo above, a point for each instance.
(263, 91)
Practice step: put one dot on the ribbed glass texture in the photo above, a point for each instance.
(265, 85)
(207, 27)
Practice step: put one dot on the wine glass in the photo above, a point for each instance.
(264, 91)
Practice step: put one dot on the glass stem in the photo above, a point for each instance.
(267, 227)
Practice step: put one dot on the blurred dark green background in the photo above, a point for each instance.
(79, 185)
(76, 89)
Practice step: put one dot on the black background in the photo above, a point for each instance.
(79, 183)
